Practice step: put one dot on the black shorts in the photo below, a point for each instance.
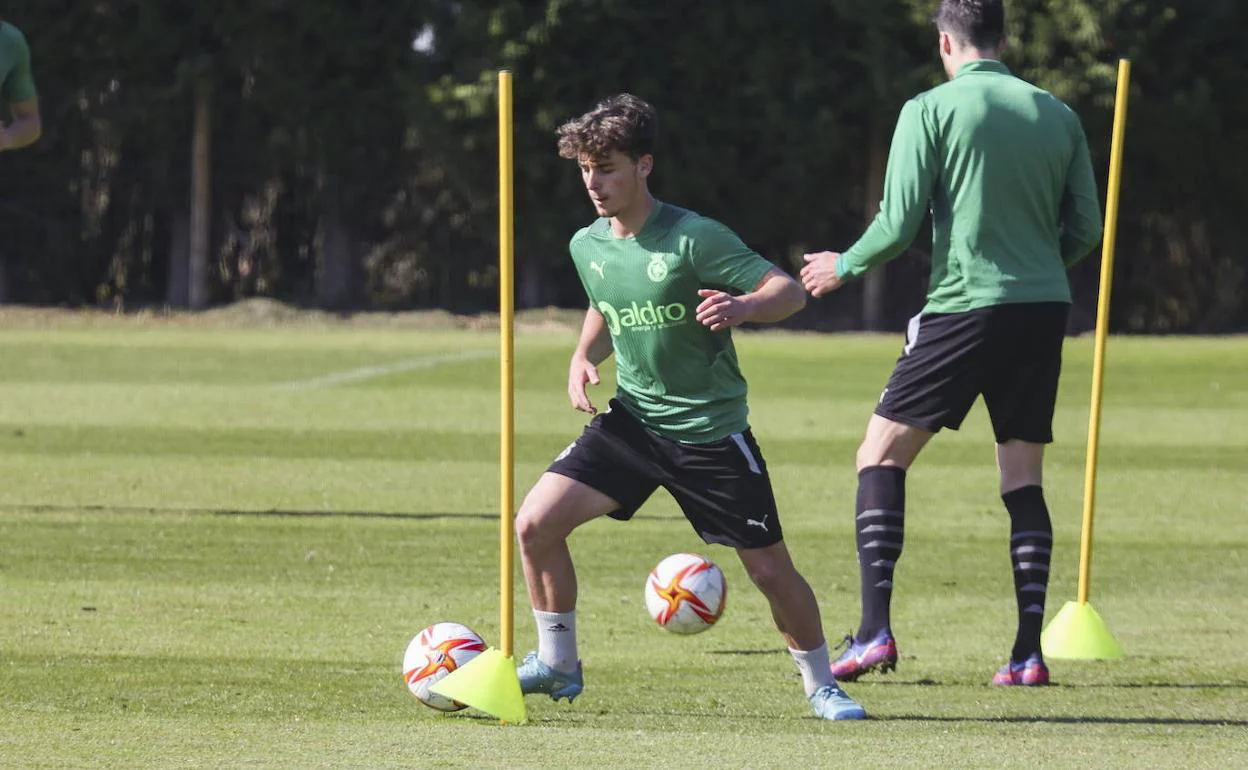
(1012, 354)
(722, 487)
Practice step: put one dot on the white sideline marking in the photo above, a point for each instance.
(369, 372)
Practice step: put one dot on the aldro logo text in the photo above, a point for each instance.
(647, 317)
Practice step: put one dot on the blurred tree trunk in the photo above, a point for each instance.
(201, 199)
(532, 284)
(340, 280)
(875, 283)
(179, 260)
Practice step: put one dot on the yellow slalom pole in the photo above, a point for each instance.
(1102, 326)
(489, 681)
(506, 318)
(1077, 631)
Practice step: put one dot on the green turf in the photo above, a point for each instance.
(215, 544)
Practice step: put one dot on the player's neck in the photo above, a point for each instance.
(629, 221)
(965, 56)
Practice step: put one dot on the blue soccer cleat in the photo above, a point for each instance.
(537, 677)
(831, 702)
(863, 657)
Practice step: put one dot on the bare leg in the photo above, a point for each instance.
(793, 605)
(553, 508)
(891, 444)
(1020, 464)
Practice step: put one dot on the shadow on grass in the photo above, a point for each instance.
(1088, 720)
(1060, 686)
(565, 719)
(125, 509)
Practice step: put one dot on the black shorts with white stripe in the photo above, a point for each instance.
(722, 487)
(1009, 354)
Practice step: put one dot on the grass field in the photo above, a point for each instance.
(215, 544)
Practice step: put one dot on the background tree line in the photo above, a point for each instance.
(346, 151)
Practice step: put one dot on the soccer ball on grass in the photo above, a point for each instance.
(435, 652)
(685, 593)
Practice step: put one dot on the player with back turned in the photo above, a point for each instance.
(1004, 169)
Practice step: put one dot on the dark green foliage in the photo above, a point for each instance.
(353, 168)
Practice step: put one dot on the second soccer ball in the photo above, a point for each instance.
(685, 593)
(433, 654)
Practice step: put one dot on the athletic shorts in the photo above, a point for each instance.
(722, 487)
(1011, 354)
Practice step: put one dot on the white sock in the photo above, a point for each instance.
(556, 640)
(815, 667)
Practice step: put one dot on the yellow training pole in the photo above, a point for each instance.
(506, 317)
(1102, 327)
(489, 682)
(1077, 631)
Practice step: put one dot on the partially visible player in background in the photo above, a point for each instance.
(665, 287)
(1005, 170)
(17, 89)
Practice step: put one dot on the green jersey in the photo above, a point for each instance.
(679, 378)
(16, 83)
(1004, 167)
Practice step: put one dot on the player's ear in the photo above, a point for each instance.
(645, 164)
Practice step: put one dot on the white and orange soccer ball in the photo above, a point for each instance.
(435, 652)
(685, 593)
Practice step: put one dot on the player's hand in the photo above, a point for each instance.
(580, 373)
(720, 310)
(819, 275)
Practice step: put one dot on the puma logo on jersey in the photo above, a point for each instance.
(597, 268)
(756, 523)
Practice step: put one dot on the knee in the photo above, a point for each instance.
(1020, 464)
(873, 452)
(890, 443)
(767, 575)
(868, 456)
(533, 530)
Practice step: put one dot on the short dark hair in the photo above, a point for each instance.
(980, 23)
(622, 122)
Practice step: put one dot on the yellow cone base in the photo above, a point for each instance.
(1078, 633)
(487, 682)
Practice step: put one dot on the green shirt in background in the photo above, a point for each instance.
(16, 83)
(680, 379)
(1005, 170)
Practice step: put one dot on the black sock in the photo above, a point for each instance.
(1031, 547)
(880, 525)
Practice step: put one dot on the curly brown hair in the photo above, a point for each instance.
(981, 23)
(622, 122)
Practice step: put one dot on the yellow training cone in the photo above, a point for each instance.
(1078, 633)
(487, 682)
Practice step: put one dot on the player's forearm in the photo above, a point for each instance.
(883, 241)
(908, 182)
(776, 299)
(1081, 209)
(595, 343)
(23, 132)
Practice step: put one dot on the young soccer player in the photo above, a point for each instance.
(665, 287)
(17, 88)
(1004, 168)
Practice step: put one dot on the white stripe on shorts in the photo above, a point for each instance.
(912, 334)
(745, 450)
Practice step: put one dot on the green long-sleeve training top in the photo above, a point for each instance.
(1005, 170)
